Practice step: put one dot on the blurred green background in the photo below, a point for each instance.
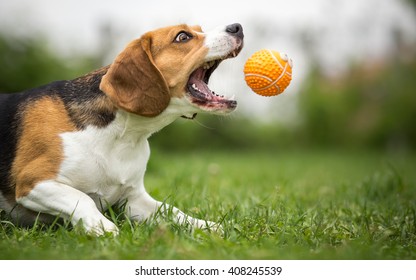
(323, 171)
(370, 105)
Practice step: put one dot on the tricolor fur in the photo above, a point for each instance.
(71, 148)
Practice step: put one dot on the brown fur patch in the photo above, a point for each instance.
(39, 148)
(176, 61)
(134, 83)
(154, 68)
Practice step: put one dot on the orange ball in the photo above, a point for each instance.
(268, 72)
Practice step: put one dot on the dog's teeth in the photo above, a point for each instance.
(208, 65)
(194, 87)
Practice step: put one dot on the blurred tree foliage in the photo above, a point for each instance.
(213, 132)
(413, 2)
(27, 63)
(365, 107)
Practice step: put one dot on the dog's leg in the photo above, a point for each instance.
(69, 203)
(141, 206)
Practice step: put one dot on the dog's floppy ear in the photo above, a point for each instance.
(134, 83)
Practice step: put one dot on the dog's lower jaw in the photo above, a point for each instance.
(188, 107)
(217, 108)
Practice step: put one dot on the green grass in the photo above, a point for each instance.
(272, 205)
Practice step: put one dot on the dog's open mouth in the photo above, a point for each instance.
(201, 95)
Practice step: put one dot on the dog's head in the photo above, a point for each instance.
(172, 62)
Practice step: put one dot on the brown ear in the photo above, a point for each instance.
(134, 83)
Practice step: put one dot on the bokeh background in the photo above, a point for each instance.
(354, 76)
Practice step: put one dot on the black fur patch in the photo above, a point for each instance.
(9, 108)
(86, 103)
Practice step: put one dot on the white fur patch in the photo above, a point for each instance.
(219, 43)
(103, 162)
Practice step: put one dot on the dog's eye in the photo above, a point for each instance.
(183, 37)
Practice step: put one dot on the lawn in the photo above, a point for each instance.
(308, 204)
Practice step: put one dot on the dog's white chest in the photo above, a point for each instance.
(103, 164)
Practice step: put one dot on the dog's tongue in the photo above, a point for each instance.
(197, 80)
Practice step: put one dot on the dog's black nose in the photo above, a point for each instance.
(235, 29)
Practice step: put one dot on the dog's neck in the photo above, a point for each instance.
(142, 127)
(123, 123)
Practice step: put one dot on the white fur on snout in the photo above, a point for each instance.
(219, 43)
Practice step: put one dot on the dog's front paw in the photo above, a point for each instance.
(197, 223)
(99, 227)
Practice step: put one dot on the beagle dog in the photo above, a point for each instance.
(73, 148)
